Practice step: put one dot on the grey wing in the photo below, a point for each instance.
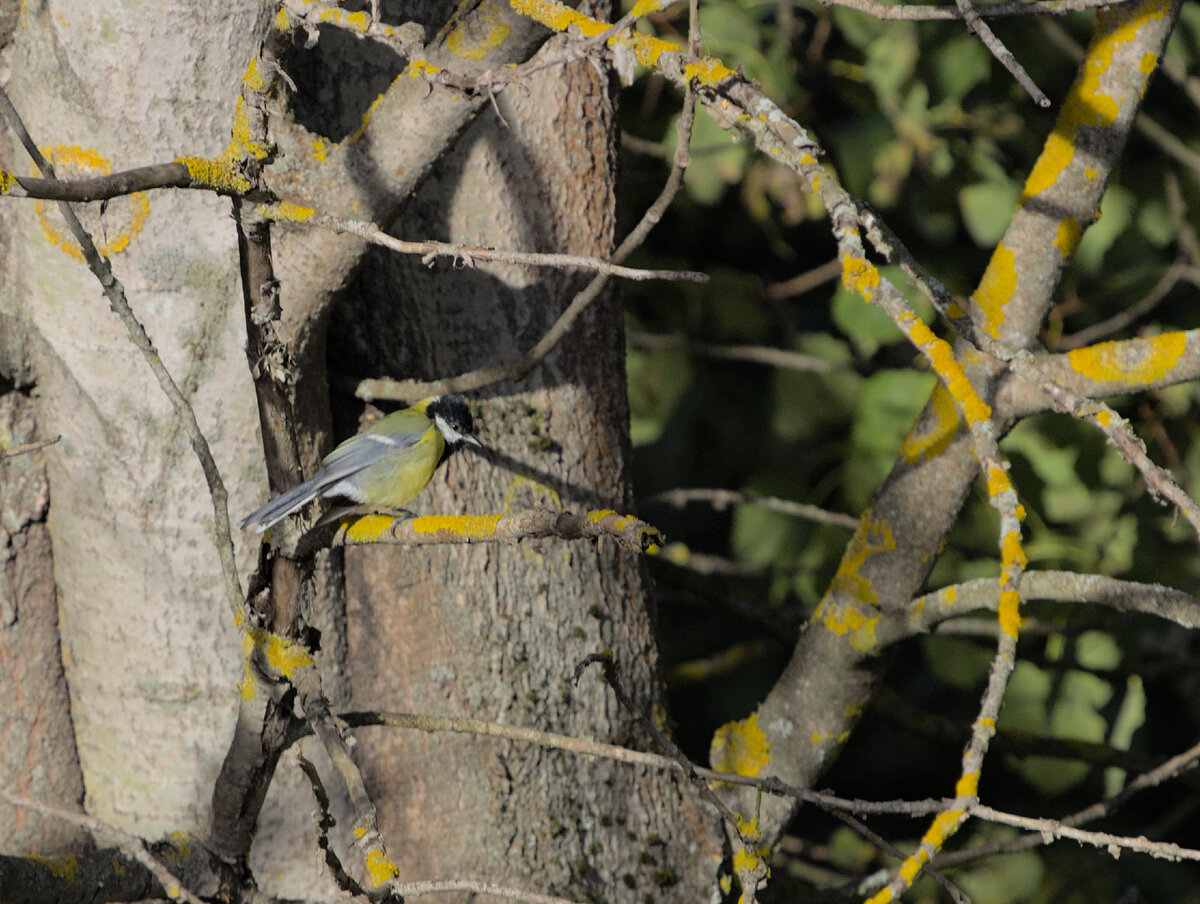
(334, 476)
(361, 451)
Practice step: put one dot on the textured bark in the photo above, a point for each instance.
(37, 747)
(151, 654)
(495, 632)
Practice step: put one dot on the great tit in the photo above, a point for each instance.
(385, 465)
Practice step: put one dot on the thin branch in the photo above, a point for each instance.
(924, 612)
(804, 282)
(184, 413)
(1144, 305)
(433, 886)
(324, 822)
(769, 785)
(1114, 844)
(350, 527)
(100, 188)
(406, 39)
(722, 499)
(920, 13)
(956, 894)
(758, 354)
(976, 25)
(1159, 481)
(1172, 768)
(26, 448)
(331, 733)
(132, 845)
(471, 255)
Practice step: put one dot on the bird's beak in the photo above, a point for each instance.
(468, 438)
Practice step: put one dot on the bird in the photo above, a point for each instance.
(386, 464)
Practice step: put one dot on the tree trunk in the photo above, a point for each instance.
(494, 632)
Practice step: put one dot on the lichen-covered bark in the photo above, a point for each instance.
(495, 632)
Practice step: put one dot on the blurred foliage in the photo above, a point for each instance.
(920, 121)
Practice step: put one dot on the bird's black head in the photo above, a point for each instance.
(453, 420)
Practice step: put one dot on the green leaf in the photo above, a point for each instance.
(1007, 879)
(891, 59)
(809, 406)
(1097, 650)
(718, 159)
(887, 407)
(657, 379)
(987, 207)
(955, 661)
(960, 64)
(1116, 212)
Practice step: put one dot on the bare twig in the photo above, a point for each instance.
(976, 25)
(758, 354)
(1144, 305)
(478, 888)
(770, 785)
(722, 499)
(132, 845)
(470, 255)
(324, 822)
(916, 12)
(1114, 844)
(25, 449)
(804, 282)
(100, 188)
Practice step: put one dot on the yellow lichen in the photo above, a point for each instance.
(1066, 237)
(941, 356)
(61, 866)
(1010, 612)
(740, 748)
(872, 536)
(968, 785)
(475, 527)
(285, 210)
(124, 217)
(224, 173)
(381, 869)
(368, 528)
(1087, 105)
(419, 68)
(283, 655)
(860, 275)
(253, 79)
(707, 72)
(359, 21)
(996, 289)
(472, 37)
(940, 425)
(1107, 362)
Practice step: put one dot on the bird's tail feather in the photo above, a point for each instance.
(286, 503)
